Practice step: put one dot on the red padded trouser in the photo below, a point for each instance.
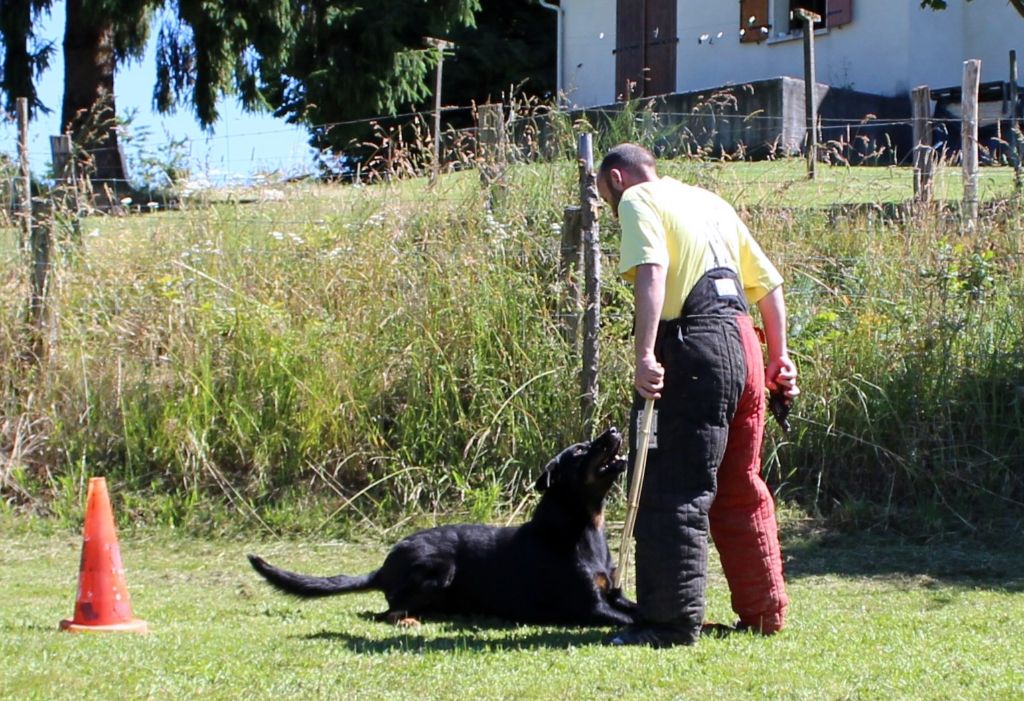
(742, 515)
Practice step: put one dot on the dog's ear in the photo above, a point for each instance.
(547, 477)
(544, 481)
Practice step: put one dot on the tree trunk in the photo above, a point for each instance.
(88, 111)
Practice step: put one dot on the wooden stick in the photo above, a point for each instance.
(633, 502)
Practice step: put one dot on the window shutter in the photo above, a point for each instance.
(660, 47)
(838, 12)
(753, 21)
(629, 49)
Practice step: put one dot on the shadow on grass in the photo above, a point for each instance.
(477, 635)
(486, 635)
(965, 563)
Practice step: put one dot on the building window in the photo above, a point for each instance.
(765, 19)
(815, 6)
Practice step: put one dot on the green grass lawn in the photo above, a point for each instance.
(870, 619)
(784, 183)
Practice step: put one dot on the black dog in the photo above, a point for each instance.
(556, 568)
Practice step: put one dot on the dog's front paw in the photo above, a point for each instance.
(619, 601)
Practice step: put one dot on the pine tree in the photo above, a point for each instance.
(25, 55)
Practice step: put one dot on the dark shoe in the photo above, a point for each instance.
(652, 636)
(742, 627)
(717, 630)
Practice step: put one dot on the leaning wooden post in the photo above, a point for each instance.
(920, 100)
(491, 143)
(571, 263)
(811, 106)
(1015, 135)
(969, 138)
(42, 245)
(24, 178)
(590, 202)
(492, 148)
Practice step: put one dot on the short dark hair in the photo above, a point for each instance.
(629, 157)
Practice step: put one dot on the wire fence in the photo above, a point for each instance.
(401, 145)
(819, 285)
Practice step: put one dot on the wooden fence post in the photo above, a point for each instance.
(492, 144)
(810, 106)
(969, 138)
(24, 178)
(590, 202)
(37, 307)
(924, 156)
(570, 265)
(1015, 135)
(35, 238)
(441, 46)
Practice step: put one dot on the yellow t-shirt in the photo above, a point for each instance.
(689, 231)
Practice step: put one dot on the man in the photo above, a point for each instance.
(695, 266)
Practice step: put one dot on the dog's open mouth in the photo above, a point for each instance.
(607, 445)
(614, 467)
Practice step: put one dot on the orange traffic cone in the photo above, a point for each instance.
(103, 603)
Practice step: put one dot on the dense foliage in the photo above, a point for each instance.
(320, 64)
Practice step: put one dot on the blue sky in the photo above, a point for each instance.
(239, 145)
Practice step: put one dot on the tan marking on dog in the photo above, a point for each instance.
(601, 581)
(402, 619)
(599, 520)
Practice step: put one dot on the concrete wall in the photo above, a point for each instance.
(719, 122)
(991, 29)
(588, 67)
(869, 54)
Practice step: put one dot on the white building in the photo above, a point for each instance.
(883, 47)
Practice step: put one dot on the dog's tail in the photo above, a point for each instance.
(307, 586)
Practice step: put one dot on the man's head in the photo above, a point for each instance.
(623, 167)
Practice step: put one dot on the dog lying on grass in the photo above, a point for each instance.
(554, 569)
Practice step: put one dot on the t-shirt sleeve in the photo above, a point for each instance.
(643, 237)
(758, 274)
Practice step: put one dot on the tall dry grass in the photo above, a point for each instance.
(353, 353)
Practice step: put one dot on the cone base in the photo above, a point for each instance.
(135, 625)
